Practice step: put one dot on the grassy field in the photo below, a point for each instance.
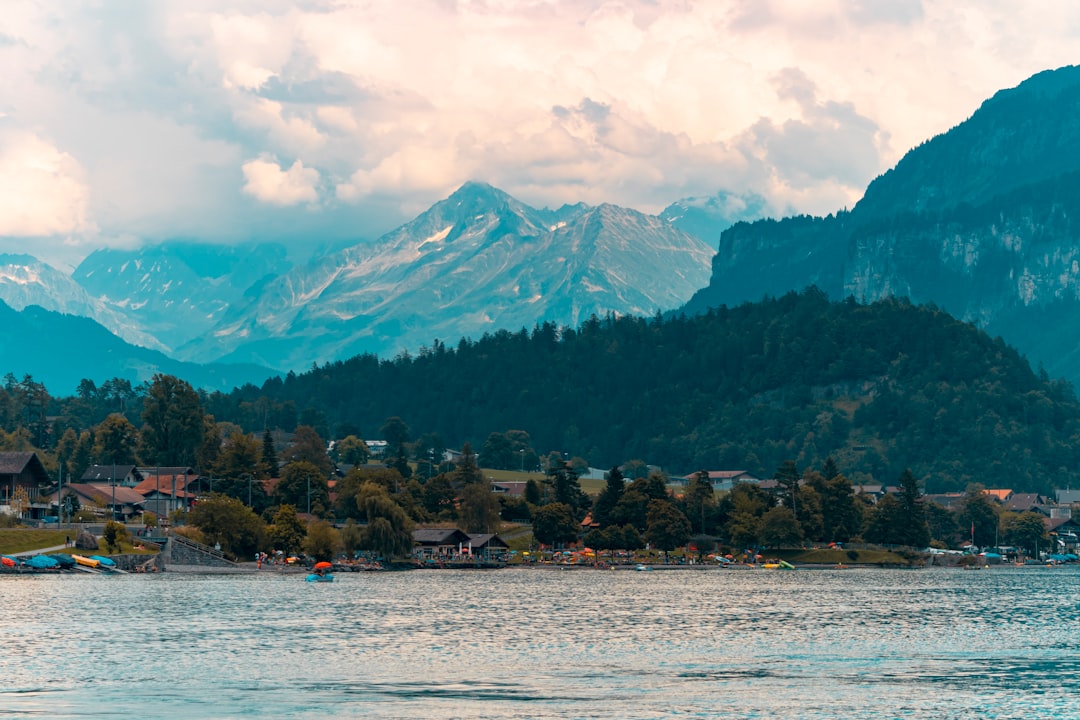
(19, 540)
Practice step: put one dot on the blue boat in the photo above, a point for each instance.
(320, 577)
(107, 562)
(41, 562)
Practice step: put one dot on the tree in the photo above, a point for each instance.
(287, 533)
(239, 455)
(978, 516)
(779, 528)
(351, 537)
(230, 523)
(322, 540)
(468, 471)
(1027, 531)
(554, 524)
(115, 534)
(567, 489)
(479, 509)
(699, 501)
(268, 464)
(308, 447)
(498, 452)
(115, 440)
(667, 526)
(787, 476)
(915, 529)
(438, 497)
(395, 432)
(303, 486)
(609, 497)
(172, 423)
(532, 492)
(352, 450)
(885, 522)
(389, 530)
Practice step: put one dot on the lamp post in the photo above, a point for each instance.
(309, 496)
(522, 451)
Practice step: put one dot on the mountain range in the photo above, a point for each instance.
(477, 262)
(980, 221)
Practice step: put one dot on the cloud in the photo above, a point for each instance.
(167, 118)
(267, 182)
(42, 189)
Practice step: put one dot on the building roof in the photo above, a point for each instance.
(15, 463)
(945, 500)
(515, 488)
(1024, 501)
(439, 536)
(163, 485)
(181, 470)
(1002, 494)
(108, 473)
(1068, 497)
(479, 541)
(104, 495)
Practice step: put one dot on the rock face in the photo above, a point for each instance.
(980, 221)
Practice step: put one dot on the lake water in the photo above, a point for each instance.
(532, 643)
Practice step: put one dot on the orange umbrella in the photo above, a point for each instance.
(323, 565)
(7, 561)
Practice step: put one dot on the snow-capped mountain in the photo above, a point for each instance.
(177, 291)
(26, 281)
(476, 262)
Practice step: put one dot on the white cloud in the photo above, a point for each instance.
(147, 112)
(268, 183)
(42, 189)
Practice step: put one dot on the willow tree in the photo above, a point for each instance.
(389, 530)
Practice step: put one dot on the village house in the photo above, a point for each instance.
(21, 478)
(108, 475)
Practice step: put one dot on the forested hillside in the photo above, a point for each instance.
(879, 387)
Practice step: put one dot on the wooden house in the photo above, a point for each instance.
(21, 478)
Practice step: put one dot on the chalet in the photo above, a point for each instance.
(487, 546)
(21, 476)
(1002, 495)
(108, 475)
(439, 543)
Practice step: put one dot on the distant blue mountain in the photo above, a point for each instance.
(60, 350)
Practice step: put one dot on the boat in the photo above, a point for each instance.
(319, 577)
(104, 561)
(86, 561)
(41, 562)
(642, 568)
(779, 565)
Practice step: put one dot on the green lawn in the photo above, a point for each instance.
(18, 540)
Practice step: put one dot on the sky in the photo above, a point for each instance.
(323, 121)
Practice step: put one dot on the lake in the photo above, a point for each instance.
(546, 643)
